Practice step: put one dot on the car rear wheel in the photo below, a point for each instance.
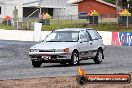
(99, 56)
(36, 63)
(74, 59)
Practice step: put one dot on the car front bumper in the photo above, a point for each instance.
(49, 56)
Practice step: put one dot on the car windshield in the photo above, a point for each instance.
(62, 36)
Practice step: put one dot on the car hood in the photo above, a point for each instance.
(53, 45)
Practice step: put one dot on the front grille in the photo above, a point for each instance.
(46, 50)
(53, 56)
(35, 56)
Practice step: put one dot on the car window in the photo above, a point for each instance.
(74, 37)
(62, 36)
(94, 35)
(85, 36)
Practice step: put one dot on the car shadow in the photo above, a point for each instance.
(66, 65)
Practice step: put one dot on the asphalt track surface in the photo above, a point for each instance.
(15, 62)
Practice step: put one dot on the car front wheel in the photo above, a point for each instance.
(99, 56)
(74, 58)
(36, 63)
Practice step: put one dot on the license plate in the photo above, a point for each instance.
(46, 57)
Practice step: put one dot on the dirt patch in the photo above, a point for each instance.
(55, 82)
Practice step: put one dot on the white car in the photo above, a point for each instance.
(69, 45)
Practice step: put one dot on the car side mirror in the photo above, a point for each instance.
(41, 40)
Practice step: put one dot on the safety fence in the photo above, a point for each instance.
(71, 21)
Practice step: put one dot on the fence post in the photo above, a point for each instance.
(22, 25)
(17, 25)
(108, 19)
(101, 18)
(117, 17)
(28, 25)
(78, 21)
(93, 20)
(127, 21)
(58, 23)
(71, 19)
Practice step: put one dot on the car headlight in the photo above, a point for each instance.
(34, 50)
(59, 50)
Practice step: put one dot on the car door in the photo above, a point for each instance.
(95, 38)
(84, 45)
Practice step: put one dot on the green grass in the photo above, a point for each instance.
(54, 24)
(2, 26)
(84, 24)
(62, 24)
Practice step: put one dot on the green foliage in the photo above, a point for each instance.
(111, 1)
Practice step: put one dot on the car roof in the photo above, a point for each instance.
(74, 29)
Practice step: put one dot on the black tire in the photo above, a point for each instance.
(99, 56)
(36, 63)
(74, 59)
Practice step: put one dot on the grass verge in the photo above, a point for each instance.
(2, 26)
(55, 24)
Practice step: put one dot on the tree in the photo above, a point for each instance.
(111, 1)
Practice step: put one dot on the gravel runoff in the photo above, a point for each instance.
(15, 62)
(57, 82)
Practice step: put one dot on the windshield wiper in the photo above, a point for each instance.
(69, 41)
(61, 41)
(54, 41)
